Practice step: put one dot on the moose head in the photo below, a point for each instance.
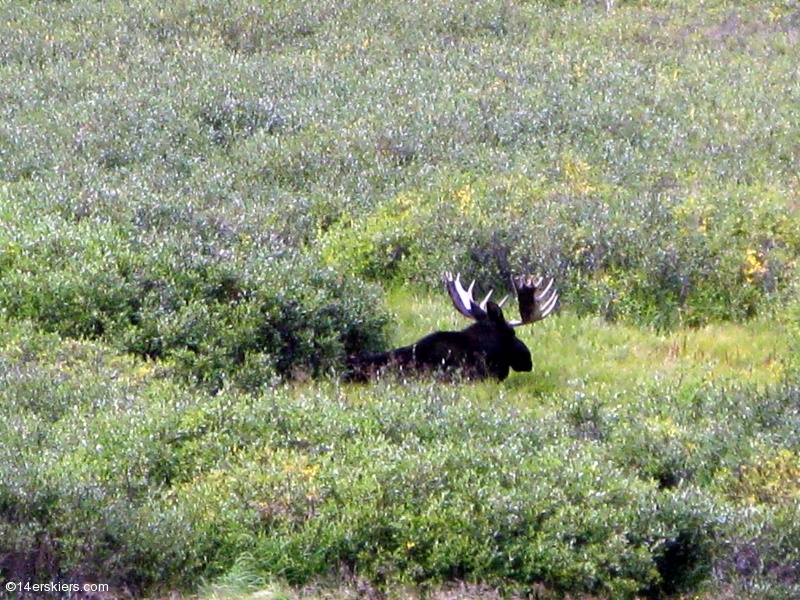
(487, 348)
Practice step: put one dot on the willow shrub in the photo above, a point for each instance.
(212, 311)
(659, 258)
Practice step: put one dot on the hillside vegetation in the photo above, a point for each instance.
(205, 207)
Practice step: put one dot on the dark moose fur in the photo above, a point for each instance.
(487, 348)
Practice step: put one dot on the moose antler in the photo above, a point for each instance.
(534, 303)
(463, 300)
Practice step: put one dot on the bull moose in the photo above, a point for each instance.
(487, 348)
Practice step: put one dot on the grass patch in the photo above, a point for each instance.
(590, 355)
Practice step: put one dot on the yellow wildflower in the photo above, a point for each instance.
(464, 197)
(755, 265)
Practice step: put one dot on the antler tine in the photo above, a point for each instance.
(548, 306)
(540, 295)
(485, 300)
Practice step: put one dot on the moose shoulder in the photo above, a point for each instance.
(487, 348)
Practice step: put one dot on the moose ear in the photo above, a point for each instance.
(495, 313)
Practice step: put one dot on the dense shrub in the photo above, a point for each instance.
(213, 315)
(110, 471)
(658, 259)
(515, 138)
(93, 504)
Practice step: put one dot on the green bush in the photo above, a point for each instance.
(657, 259)
(114, 472)
(95, 501)
(213, 316)
(623, 172)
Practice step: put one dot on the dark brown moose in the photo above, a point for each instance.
(487, 348)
